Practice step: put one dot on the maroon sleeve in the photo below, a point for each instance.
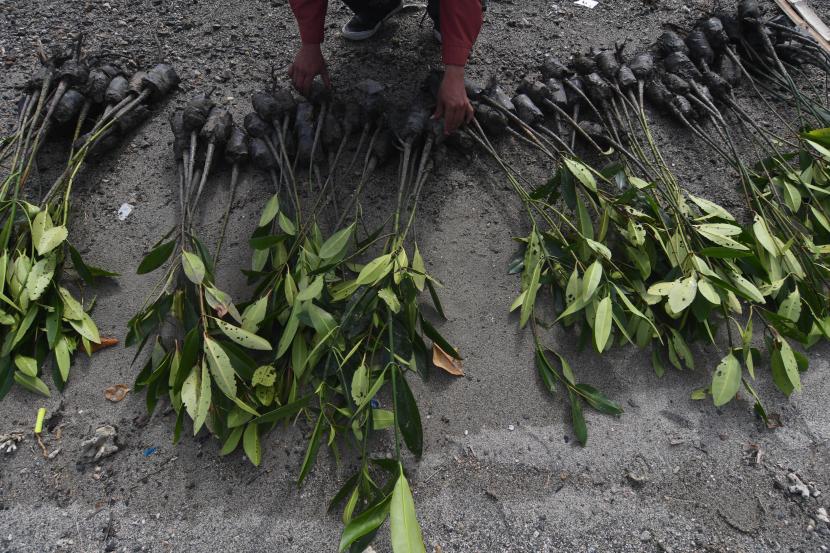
(460, 24)
(311, 18)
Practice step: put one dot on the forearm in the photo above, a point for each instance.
(311, 19)
(461, 22)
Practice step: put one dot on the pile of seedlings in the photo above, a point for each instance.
(626, 254)
(89, 106)
(327, 337)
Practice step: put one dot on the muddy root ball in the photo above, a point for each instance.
(69, 106)
(304, 125)
(534, 90)
(96, 85)
(573, 88)
(35, 82)
(748, 9)
(715, 33)
(607, 64)
(236, 149)
(117, 89)
(196, 113)
(111, 70)
(556, 89)
(74, 73)
(383, 147)
(626, 78)
(717, 85)
(491, 120)
(260, 154)
(265, 105)
(699, 48)
(684, 107)
(596, 132)
(599, 91)
(669, 43)
(415, 124)
(137, 82)
(552, 68)
(680, 64)
(497, 94)
(658, 94)
(676, 83)
(161, 79)
(730, 71)
(133, 119)
(256, 126)
(286, 104)
(217, 128)
(642, 65)
(527, 111)
(352, 118)
(584, 63)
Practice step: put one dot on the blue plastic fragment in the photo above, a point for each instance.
(374, 403)
(149, 451)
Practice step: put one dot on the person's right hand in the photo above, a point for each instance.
(308, 63)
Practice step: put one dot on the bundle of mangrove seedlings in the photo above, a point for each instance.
(629, 256)
(66, 101)
(327, 337)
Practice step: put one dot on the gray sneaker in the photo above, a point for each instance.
(364, 25)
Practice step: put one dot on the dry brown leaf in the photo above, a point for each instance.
(444, 360)
(106, 342)
(116, 393)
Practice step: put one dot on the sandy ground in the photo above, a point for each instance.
(500, 470)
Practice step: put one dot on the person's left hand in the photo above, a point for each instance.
(453, 104)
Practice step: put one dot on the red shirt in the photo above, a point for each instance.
(460, 24)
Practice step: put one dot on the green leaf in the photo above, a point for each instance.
(419, 270)
(51, 239)
(790, 365)
(220, 367)
(708, 291)
(265, 375)
(313, 447)
(530, 295)
(336, 244)
(193, 267)
(312, 291)
(287, 225)
(254, 314)
(289, 331)
(283, 412)
(251, 445)
(72, 309)
(582, 173)
(591, 280)
(682, 294)
(365, 523)
(39, 277)
(40, 224)
(711, 209)
(726, 381)
(203, 403)
(409, 419)
(26, 365)
(578, 419)
(403, 523)
(790, 308)
(86, 327)
(243, 337)
(375, 270)
(602, 323)
(598, 401)
(87, 272)
(156, 258)
(390, 299)
(272, 207)
(721, 240)
(232, 442)
(62, 358)
(763, 236)
(31, 383)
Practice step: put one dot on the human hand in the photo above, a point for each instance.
(453, 104)
(308, 63)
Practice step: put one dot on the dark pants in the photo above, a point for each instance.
(372, 7)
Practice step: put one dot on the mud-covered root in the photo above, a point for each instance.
(236, 148)
(552, 68)
(96, 85)
(528, 111)
(69, 106)
(371, 98)
(160, 80)
(117, 90)
(669, 43)
(332, 133)
(584, 63)
(642, 65)
(680, 64)
(491, 120)
(715, 33)
(415, 125)
(730, 71)
(607, 63)
(180, 137)
(73, 73)
(196, 113)
(35, 82)
(496, 94)
(218, 126)
(260, 155)
(256, 126)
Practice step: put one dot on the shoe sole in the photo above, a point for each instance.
(363, 35)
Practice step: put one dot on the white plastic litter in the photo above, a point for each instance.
(587, 3)
(124, 211)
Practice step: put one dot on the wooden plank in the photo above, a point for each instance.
(794, 10)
